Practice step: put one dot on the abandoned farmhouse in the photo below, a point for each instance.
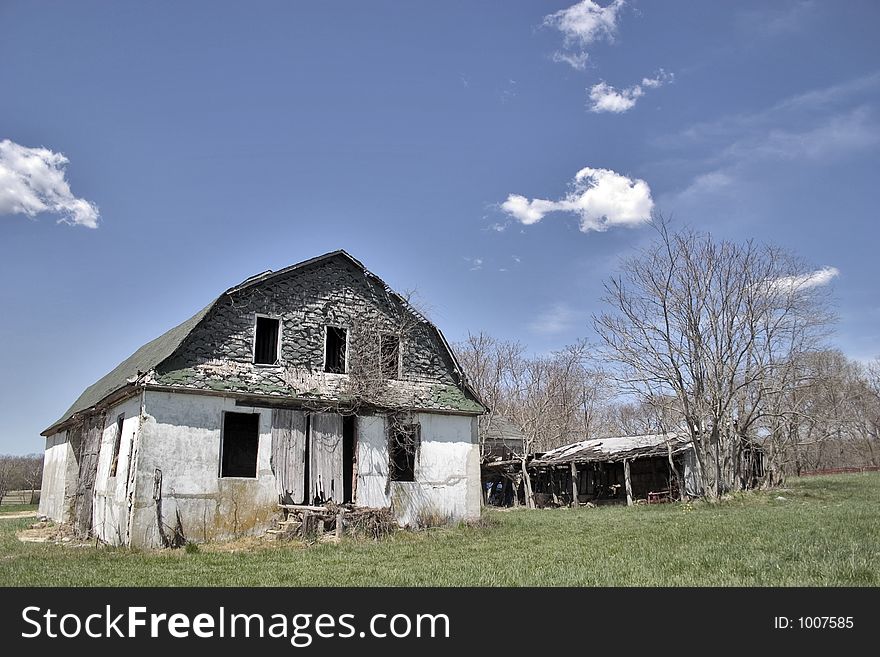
(313, 384)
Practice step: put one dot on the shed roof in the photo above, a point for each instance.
(614, 449)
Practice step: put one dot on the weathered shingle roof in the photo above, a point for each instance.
(614, 449)
(141, 361)
(152, 354)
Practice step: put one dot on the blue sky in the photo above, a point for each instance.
(211, 141)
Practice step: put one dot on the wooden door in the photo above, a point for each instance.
(288, 454)
(325, 458)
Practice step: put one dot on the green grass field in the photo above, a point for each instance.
(16, 508)
(826, 532)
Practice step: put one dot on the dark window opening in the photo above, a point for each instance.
(241, 436)
(349, 458)
(404, 443)
(334, 350)
(266, 341)
(117, 442)
(389, 356)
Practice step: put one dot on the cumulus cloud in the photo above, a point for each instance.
(32, 180)
(586, 22)
(581, 25)
(605, 98)
(601, 198)
(812, 279)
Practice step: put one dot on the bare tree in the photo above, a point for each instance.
(709, 324)
(554, 399)
(32, 473)
(7, 474)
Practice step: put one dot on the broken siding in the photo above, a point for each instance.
(110, 514)
(87, 458)
(288, 454)
(325, 457)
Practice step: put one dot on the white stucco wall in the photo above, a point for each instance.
(59, 470)
(110, 503)
(180, 436)
(447, 471)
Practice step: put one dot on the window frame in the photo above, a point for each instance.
(398, 370)
(327, 328)
(415, 430)
(280, 320)
(220, 474)
(117, 446)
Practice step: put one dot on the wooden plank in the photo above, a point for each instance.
(325, 457)
(304, 507)
(90, 449)
(628, 482)
(574, 484)
(288, 454)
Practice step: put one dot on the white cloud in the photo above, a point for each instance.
(606, 98)
(558, 318)
(708, 183)
(582, 24)
(586, 22)
(600, 197)
(844, 133)
(812, 128)
(32, 180)
(813, 279)
(577, 60)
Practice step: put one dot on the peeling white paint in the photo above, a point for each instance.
(175, 439)
(59, 468)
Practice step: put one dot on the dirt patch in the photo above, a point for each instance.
(48, 532)
(244, 544)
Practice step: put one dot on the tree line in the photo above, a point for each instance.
(725, 343)
(21, 473)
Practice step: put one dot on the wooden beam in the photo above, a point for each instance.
(574, 485)
(304, 507)
(628, 482)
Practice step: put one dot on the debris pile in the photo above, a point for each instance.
(331, 522)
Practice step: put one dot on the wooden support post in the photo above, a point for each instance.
(308, 525)
(339, 525)
(574, 485)
(628, 482)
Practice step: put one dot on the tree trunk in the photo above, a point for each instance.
(527, 485)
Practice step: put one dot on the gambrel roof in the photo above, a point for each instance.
(131, 372)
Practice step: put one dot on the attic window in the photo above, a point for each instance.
(334, 350)
(266, 340)
(117, 442)
(389, 356)
(402, 448)
(238, 449)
